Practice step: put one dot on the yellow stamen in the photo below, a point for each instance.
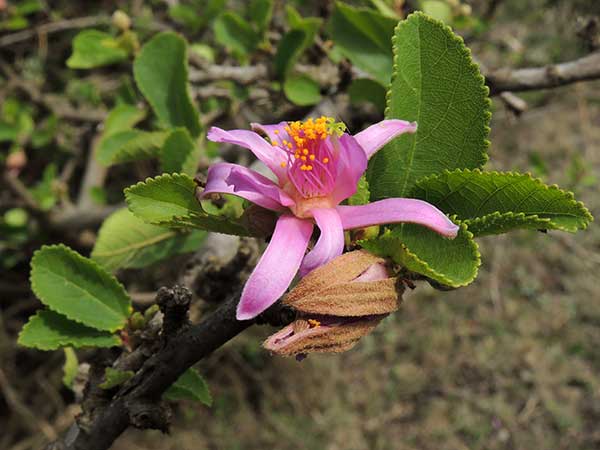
(325, 160)
(313, 323)
(311, 157)
(305, 152)
(303, 158)
(283, 164)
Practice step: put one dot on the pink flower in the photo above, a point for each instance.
(317, 166)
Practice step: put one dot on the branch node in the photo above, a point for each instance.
(149, 415)
(174, 303)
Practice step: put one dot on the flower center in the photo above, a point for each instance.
(312, 152)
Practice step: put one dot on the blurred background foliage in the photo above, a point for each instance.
(510, 362)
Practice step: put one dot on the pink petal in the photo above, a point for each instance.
(392, 210)
(375, 272)
(379, 134)
(271, 156)
(227, 178)
(351, 165)
(329, 245)
(277, 266)
(275, 132)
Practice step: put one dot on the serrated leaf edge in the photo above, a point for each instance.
(59, 345)
(568, 195)
(443, 278)
(171, 222)
(472, 67)
(97, 266)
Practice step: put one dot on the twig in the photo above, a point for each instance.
(138, 402)
(53, 27)
(516, 80)
(242, 75)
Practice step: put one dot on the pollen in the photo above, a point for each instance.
(305, 152)
(276, 131)
(325, 160)
(311, 157)
(283, 164)
(313, 323)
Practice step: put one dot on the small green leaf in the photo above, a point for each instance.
(235, 34)
(260, 13)
(70, 367)
(190, 386)
(495, 202)
(451, 262)
(48, 330)
(122, 117)
(93, 48)
(79, 288)
(180, 153)
(170, 200)
(300, 37)
(302, 90)
(161, 73)
(436, 84)
(361, 197)
(130, 145)
(114, 377)
(288, 51)
(124, 241)
(365, 90)
(364, 37)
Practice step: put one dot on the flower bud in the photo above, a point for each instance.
(121, 20)
(336, 305)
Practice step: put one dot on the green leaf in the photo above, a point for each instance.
(296, 41)
(124, 241)
(364, 37)
(130, 145)
(260, 13)
(78, 288)
(170, 200)
(187, 15)
(161, 73)
(235, 34)
(495, 202)
(115, 377)
(365, 90)
(93, 48)
(362, 194)
(122, 117)
(289, 50)
(302, 90)
(436, 84)
(70, 367)
(451, 262)
(48, 330)
(180, 153)
(190, 386)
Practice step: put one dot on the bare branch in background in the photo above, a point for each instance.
(53, 27)
(554, 75)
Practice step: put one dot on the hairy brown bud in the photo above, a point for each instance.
(336, 305)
